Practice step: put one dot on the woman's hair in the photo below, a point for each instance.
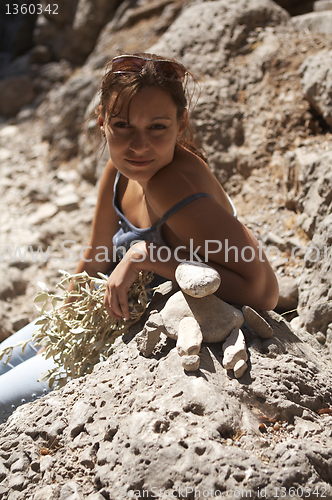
(119, 88)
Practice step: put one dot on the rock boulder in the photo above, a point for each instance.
(316, 80)
(15, 93)
(317, 22)
(215, 317)
(142, 424)
(228, 25)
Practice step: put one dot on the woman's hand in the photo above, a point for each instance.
(120, 281)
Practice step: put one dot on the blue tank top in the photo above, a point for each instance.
(127, 234)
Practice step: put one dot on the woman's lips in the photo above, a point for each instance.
(141, 162)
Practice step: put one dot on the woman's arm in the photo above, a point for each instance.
(208, 225)
(98, 256)
(257, 288)
(205, 230)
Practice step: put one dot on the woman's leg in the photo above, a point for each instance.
(19, 378)
(17, 357)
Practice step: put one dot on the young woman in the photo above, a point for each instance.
(158, 204)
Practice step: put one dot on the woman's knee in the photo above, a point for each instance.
(17, 357)
(20, 384)
(264, 291)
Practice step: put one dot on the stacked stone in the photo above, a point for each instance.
(193, 315)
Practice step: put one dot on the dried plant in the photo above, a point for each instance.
(78, 332)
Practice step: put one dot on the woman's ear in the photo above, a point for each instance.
(183, 122)
(101, 124)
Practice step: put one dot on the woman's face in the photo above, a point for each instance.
(142, 141)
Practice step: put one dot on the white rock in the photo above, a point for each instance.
(295, 323)
(320, 5)
(288, 293)
(317, 22)
(46, 461)
(215, 317)
(44, 212)
(234, 349)
(155, 320)
(5, 154)
(67, 175)
(304, 427)
(45, 492)
(190, 337)
(150, 335)
(257, 323)
(89, 201)
(65, 189)
(147, 340)
(9, 131)
(190, 363)
(67, 202)
(197, 279)
(239, 368)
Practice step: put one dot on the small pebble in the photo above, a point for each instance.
(197, 279)
(190, 363)
(235, 350)
(239, 368)
(321, 338)
(257, 323)
(190, 337)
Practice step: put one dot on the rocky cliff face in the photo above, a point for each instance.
(141, 427)
(263, 117)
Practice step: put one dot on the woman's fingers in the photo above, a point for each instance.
(117, 288)
(112, 305)
(116, 303)
(123, 300)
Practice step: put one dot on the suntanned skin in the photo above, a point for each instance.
(157, 173)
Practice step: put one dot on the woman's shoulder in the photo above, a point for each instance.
(109, 171)
(179, 179)
(108, 177)
(106, 184)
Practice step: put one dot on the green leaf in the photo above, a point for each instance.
(44, 376)
(6, 352)
(24, 345)
(55, 300)
(43, 309)
(42, 286)
(41, 321)
(41, 297)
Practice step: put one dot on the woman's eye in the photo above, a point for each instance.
(121, 124)
(158, 126)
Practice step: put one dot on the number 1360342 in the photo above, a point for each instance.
(31, 8)
(299, 492)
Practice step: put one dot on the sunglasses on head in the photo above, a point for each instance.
(134, 64)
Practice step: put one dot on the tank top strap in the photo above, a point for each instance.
(115, 185)
(181, 204)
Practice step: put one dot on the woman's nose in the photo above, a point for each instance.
(139, 142)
